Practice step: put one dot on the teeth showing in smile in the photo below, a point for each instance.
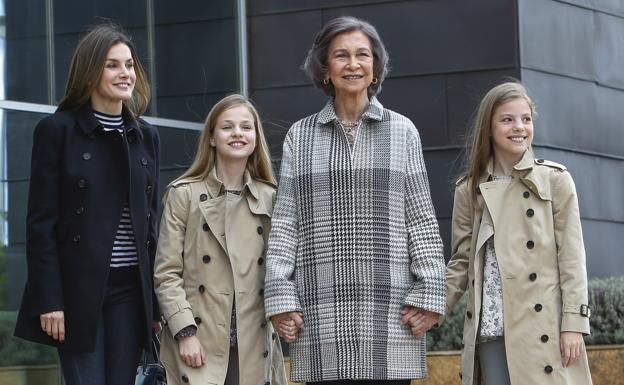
(352, 77)
(237, 144)
(517, 139)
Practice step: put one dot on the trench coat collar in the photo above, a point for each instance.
(374, 111)
(89, 123)
(520, 169)
(250, 185)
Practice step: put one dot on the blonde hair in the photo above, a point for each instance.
(258, 163)
(479, 146)
(87, 66)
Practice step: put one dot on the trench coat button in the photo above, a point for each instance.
(203, 197)
(530, 245)
(526, 194)
(205, 226)
(542, 161)
(86, 156)
(530, 213)
(469, 315)
(82, 183)
(260, 230)
(148, 189)
(185, 378)
(202, 288)
(206, 258)
(263, 324)
(532, 276)
(267, 383)
(478, 191)
(80, 210)
(261, 292)
(548, 369)
(265, 354)
(538, 307)
(198, 321)
(144, 161)
(544, 338)
(260, 261)
(460, 376)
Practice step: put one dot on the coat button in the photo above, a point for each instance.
(548, 369)
(469, 315)
(206, 258)
(131, 139)
(202, 288)
(260, 261)
(148, 189)
(542, 161)
(261, 292)
(265, 354)
(205, 226)
(532, 276)
(144, 161)
(530, 245)
(544, 338)
(478, 191)
(82, 183)
(198, 321)
(274, 335)
(86, 156)
(526, 194)
(203, 197)
(185, 378)
(473, 283)
(267, 383)
(80, 210)
(77, 238)
(260, 230)
(147, 243)
(530, 213)
(148, 216)
(263, 324)
(538, 307)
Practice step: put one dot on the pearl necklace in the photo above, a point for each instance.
(348, 125)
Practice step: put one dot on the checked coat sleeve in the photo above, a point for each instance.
(280, 292)
(424, 243)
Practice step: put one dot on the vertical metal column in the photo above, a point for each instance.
(243, 65)
(49, 8)
(151, 54)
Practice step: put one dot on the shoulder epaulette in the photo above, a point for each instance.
(460, 180)
(549, 163)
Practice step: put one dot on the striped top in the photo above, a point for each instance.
(124, 254)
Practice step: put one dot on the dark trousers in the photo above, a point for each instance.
(361, 382)
(118, 345)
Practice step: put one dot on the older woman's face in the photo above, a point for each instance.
(350, 64)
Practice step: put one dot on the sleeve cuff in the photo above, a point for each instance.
(575, 322)
(180, 320)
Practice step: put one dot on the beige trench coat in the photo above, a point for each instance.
(539, 248)
(211, 249)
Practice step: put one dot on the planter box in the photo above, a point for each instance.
(606, 363)
(29, 375)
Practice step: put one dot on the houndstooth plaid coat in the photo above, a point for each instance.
(354, 238)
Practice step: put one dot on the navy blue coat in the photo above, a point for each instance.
(81, 178)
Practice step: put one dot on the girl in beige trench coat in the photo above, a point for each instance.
(209, 269)
(518, 250)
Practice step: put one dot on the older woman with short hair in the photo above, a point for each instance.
(355, 252)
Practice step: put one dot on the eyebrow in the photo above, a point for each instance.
(116, 60)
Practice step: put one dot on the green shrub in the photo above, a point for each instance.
(606, 301)
(15, 351)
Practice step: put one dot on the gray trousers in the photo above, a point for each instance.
(231, 378)
(493, 362)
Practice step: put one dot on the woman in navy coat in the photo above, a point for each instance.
(92, 208)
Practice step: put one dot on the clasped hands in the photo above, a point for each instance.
(418, 320)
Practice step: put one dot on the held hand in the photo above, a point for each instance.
(156, 326)
(192, 352)
(418, 320)
(288, 325)
(53, 324)
(571, 345)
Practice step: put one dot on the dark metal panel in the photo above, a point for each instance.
(430, 37)
(26, 70)
(73, 16)
(576, 114)
(25, 18)
(184, 11)
(192, 107)
(442, 167)
(278, 47)
(557, 38)
(615, 7)
(609, 50)
(603, 247)
(255, 7)
(464, 92)
(423, 101)
(195, 58)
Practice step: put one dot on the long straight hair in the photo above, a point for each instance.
(258, 163)
(479, 146)
(87, 66)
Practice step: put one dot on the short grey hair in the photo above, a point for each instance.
(316, 62)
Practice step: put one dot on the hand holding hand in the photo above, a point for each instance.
(53, 324)
(156, 326)
(418, 320)
(571, 345)
(288, 325)
(192, 352)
